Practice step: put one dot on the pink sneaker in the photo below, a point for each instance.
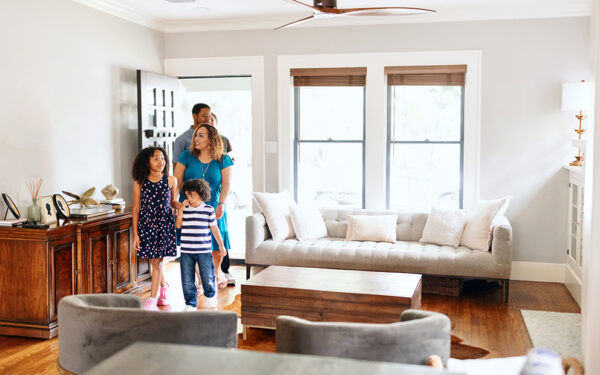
(163, 299)
(150, 305)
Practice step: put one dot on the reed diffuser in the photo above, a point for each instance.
(34, 212)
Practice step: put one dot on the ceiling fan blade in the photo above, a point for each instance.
(295, 22)
(378, 11)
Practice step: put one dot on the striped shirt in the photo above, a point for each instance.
(195, 229)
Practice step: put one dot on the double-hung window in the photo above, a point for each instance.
(329, 134)
(425, 142)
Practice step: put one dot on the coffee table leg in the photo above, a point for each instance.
(244, 331)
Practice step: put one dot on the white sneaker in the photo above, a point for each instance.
(190, 308)
(211, 302)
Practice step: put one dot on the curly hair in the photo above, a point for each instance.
(141, 165)
(215, 144)
(199, 186)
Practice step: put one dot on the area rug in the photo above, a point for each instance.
(264, 339)
(560, 332)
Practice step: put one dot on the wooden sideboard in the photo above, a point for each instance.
(40, 266)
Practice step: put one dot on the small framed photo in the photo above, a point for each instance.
(62, 207)
(12, 207)
(48, 210)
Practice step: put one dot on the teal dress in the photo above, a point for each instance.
(210, 172)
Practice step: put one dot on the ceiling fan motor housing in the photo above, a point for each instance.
(325, 3)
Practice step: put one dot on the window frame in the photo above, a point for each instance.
(375, 114)
(297, 141)
(390, 142)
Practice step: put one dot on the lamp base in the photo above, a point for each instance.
(576, 162)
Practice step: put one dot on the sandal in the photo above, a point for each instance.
(221, 281)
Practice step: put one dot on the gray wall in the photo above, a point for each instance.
(525, 139)
(68, 98)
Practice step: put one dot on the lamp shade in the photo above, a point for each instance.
(576, 96)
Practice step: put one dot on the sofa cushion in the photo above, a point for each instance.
(308, 222)
(409, 226)
(372, 228)
(401, 256)
(478, 229)
(276, 208)
(444, 226)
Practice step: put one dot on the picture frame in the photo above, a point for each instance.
(48, 210)
(11, 206)
(62, 207)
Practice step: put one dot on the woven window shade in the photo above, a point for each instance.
(329, 77)
(434, 75)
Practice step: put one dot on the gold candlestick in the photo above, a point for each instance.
(580, 131)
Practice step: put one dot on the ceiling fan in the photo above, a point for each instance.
(328, 8)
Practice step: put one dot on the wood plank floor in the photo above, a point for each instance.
(479, 317)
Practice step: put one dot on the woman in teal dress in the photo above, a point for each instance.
(206, 160)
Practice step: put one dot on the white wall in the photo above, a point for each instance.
(525, 139)
(68, 98)
(590, 328)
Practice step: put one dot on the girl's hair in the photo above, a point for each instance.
(215, 143)
(198, 185)
(141, 167)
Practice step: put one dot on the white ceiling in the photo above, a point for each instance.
(212, 15)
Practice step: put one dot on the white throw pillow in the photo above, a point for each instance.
(276, 208)
(444, 226)
(308, 222)
(372, 228)
(478, 229)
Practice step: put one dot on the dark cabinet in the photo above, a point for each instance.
(38, 267)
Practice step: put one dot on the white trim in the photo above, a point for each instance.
(117, 9)
(534, 271)
(139, 16)
(573, 283)
(240, 65)
(376, 112)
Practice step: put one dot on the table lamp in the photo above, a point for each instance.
(576, 97)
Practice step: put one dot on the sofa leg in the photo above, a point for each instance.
(248, 271)
(506, 283)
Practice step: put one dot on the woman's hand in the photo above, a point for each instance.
(136, 242)
(219, 211)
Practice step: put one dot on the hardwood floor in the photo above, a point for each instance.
(479, 317)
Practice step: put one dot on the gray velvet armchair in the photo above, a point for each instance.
(418, 335)
(92, 327)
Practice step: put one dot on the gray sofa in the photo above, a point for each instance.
(406, 255)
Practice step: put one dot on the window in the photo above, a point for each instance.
(329, 133)
(425, 145)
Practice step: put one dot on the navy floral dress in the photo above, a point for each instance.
(156, 224)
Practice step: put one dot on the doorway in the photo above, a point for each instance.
(230, 98)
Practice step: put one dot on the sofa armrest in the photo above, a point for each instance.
(256, 231)
(502, 241)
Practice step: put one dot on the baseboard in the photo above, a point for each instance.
(573, 283)
(534, 271)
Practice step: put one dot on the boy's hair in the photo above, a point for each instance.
(199, 186)
(141, 168)
(198, 107)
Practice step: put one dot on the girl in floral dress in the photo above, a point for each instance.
(153, 220)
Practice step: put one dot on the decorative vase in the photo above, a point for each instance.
(34, 212)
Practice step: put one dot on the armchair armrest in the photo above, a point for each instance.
(502, 241)
(256, 231)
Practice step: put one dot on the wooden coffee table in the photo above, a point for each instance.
(332, 295)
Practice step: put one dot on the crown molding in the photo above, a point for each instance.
(491, 13)
(117, 9)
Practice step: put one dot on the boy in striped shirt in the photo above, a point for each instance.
(196, 221)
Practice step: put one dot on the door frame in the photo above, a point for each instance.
(252, 66)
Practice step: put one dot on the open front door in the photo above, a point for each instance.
(158, 100)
